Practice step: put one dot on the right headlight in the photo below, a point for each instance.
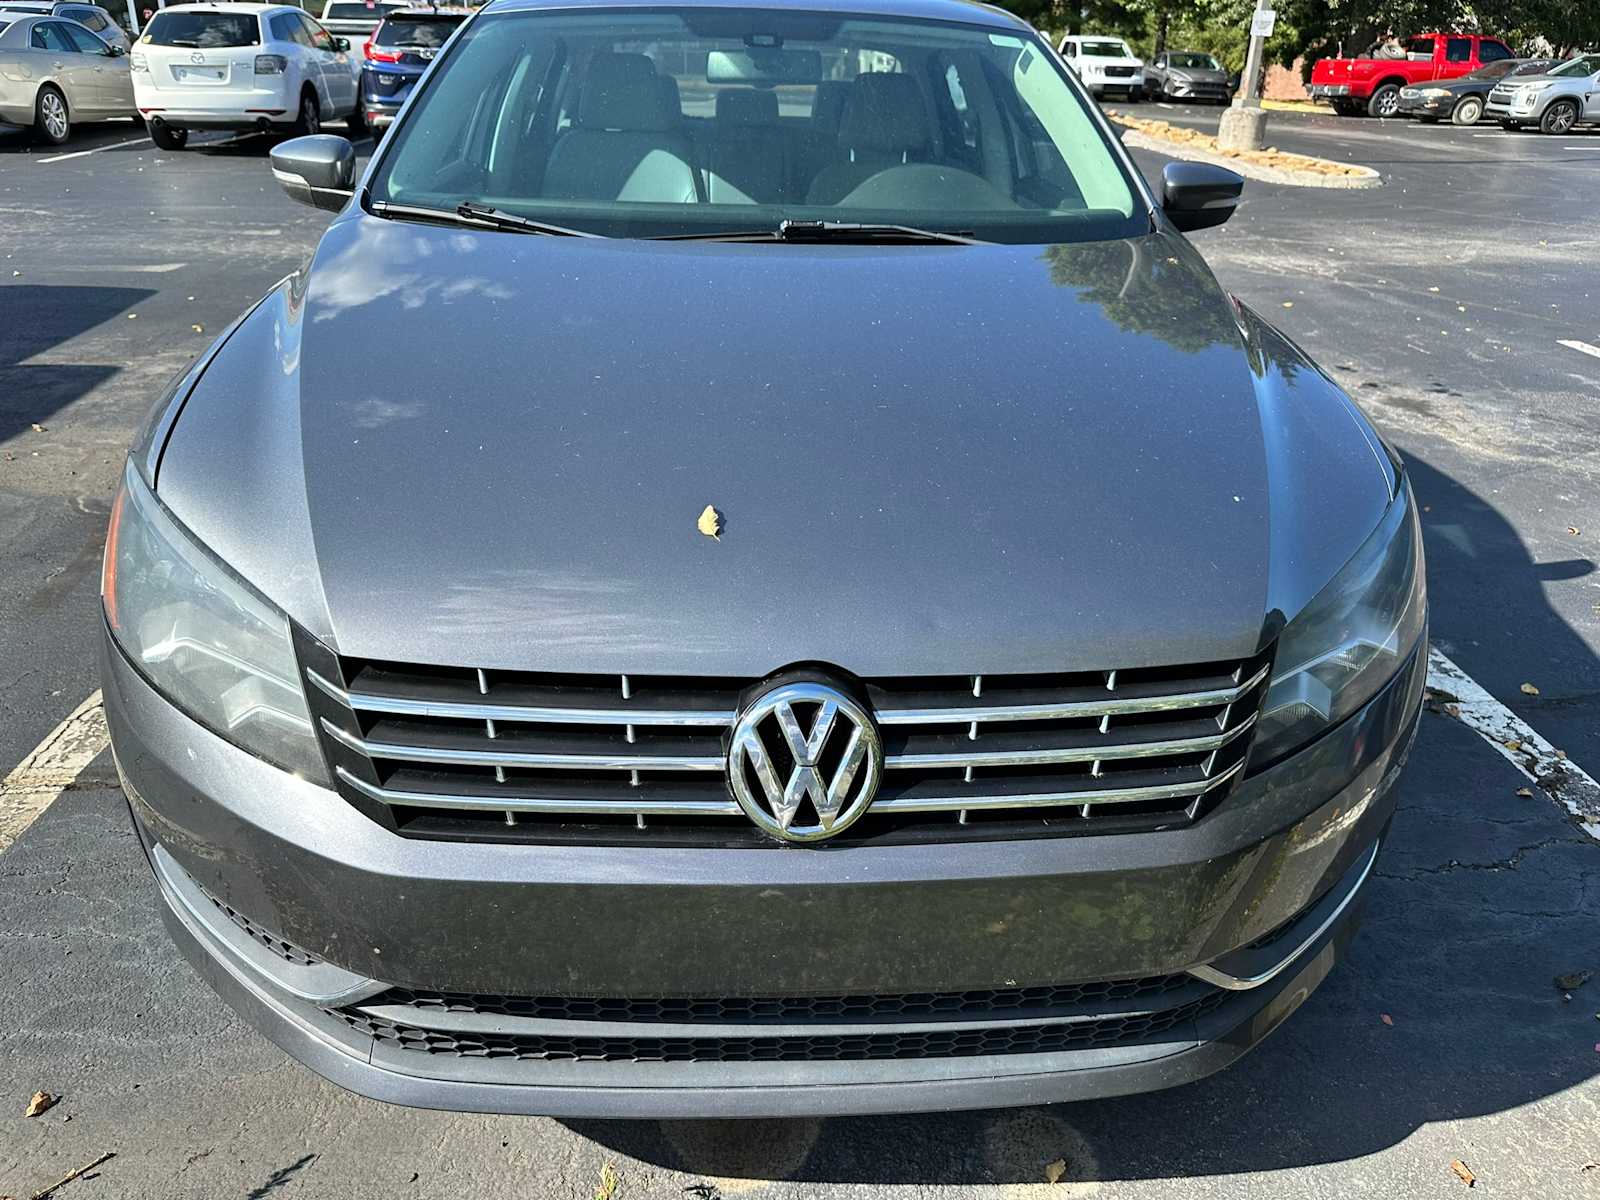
(1351, 639)
(203, 637)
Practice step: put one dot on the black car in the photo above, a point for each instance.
(1462, 100)
(397, 54)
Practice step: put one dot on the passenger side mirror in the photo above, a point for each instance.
(341, 44)
(319, 170)
(1198, 195)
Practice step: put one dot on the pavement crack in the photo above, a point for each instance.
(1510, 863)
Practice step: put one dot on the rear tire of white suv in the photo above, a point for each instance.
(167, 138)
(310, 119)
(51, 123)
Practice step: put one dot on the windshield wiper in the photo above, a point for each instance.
(831, 231)
(481, 215)
(855, 231)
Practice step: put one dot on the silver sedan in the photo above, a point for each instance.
(54, 72)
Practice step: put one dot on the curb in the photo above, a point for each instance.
(1355, 176)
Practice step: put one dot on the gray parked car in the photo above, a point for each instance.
(759, 656)
(98, 21)
(1555, 101)
(54, 72)
(1187, 75)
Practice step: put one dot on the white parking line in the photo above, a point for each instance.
(96, 150)
(51, 769)
(1522, 746)
(1580, 347)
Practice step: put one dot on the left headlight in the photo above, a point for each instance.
(1351, 639)
(202, 636)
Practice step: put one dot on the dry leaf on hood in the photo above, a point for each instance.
(710, 523)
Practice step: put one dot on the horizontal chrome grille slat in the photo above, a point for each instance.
(1045, 756)
(533, 804)
(1095, 796)
(1111, 706)
(400, 706)
(512, 758)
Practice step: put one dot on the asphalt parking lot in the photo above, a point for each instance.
(1458, 303)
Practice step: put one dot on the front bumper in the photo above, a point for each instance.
(1426, 106)
(372, 910)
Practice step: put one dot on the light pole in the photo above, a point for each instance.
(1244, 124)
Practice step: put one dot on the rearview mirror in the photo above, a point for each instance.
(319, 170)
(763, 65)
(1199, 195)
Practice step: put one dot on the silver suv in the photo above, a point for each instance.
(1555, 101)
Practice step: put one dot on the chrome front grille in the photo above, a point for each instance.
(468, 753)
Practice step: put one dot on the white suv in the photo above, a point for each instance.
(1105, 64)
(241, 66)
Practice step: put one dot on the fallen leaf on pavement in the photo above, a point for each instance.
(1574, 980)
(198, 328)
(38, 428)
(1053, 1171)
(1573, 530)
(1288, 303)
(41, 1102)
(1463, 1172)
(608, 1183)
(1529, 690)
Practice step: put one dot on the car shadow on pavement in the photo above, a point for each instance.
(1444, 1009)
(39, 318)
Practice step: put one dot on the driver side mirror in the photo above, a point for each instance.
(341, 44)
(1198, 195)
(114, 51)
(319, 170)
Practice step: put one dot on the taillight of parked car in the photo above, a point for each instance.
(271, 64)
(379, 54)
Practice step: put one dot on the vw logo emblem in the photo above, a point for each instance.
(804, 761)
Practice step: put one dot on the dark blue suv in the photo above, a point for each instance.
(397, 54)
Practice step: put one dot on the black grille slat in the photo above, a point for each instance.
(816, 1047)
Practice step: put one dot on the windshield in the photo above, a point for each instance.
(1583, 65)
(656, 123)
(428, 33)
(1193, 62)
(202, 29)
(1106, 49)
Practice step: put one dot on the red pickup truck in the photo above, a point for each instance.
(1372, 85)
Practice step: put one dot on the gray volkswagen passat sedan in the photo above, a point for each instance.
(756, 654)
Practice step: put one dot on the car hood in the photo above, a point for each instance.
(1198, 74)
(1097, 60)
(478, 448)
